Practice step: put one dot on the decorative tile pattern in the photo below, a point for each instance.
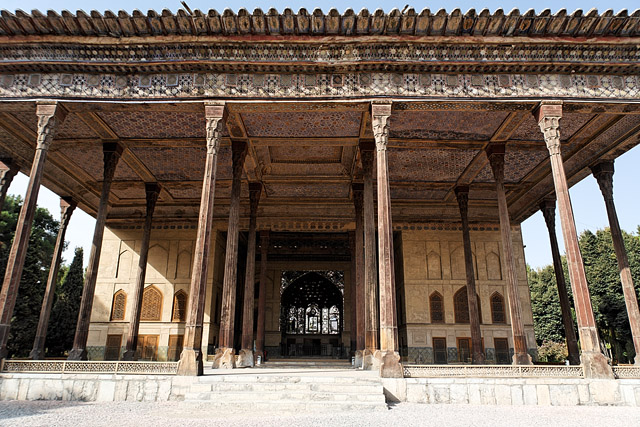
(305, 190)
(111, 86)
(417, 193)
(173, 163)
(89, 157)
(305, 154)
(428, 165)
(156, 124)
(303, 124)
(445, 124)
(517, 164)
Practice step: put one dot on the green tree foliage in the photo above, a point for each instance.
(545, 305)
(65, 310)
(34, 276)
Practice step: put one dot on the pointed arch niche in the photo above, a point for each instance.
(179, 312)
(119, 305)
(151, 304)
(436, 306)
(461, 306)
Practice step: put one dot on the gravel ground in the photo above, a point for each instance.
(121, 414)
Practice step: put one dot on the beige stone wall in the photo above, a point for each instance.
(433, 260)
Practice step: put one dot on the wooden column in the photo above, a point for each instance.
(390, 366)
(67, 205)
(359, 255)
(8, 170)
(496, 152)
(50, 115)
(191, 356)
(262, 292)
(548, 208)
(462, 195)
(370, 273)
(603, 172)
(353, 318)
(595, 365)
(111, 152)
(225, 355)
(152, 191)
(245, 358)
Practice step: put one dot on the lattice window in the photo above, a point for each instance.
(461, 306)
(179, 307)
(497, 309)
(151, 304)
(437, 308)
(119, 305)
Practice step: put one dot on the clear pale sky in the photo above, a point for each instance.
(587, 201)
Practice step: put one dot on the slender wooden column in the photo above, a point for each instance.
(50, 114)
(67, 205)
(390, 366)
(595, 364)
(359, 257)
(111, 152)
(225, 356)
(548, 208)
(152, 191)
(496, 152)
(370, 274)
(8, 170)
(191, 356)
(245, 358)
(352, 294)
(462, 195)
(262, 292)
(603, 172)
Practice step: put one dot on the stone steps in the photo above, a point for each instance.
(307, 364)
(289, 392)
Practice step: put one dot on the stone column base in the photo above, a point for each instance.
(78, 354)
(190, 363)
(36, 354)
(129, 356)
(359, 359)
(595, 365)
(369, 361)
(522, 359)
(224, 358)
(245, 359)
(390, 366)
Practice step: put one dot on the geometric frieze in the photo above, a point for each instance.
(130, 86)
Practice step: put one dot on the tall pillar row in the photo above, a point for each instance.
(262, 291)
(225, 355)
(603, 172)
(595, 365)
(152, 190)
(246, 357)
(191, 357)
(495, 153)
(50, 115)
(67, 206)
(359, 303)
(548, 208)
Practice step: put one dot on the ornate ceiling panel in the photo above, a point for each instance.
(173, 163)
(441, 125)
(517, 164)
(418, 193)
(303, 124)
(89, 158)
(307, 190)
(428, 164)
(306, 154)
(156, 124)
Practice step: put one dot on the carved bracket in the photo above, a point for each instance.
(380, 114)
(50, 115)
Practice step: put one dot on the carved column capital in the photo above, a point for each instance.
(67, 206)
(255, 190)
(495, 154)
(238, 154)
(152, 191)
(603, 173)
(358, 195)
(380, 114)
(50, 115)
(548, 209)
(112, 152)
(462, 195)
(215, 114)
(548, 116)
(366, 157)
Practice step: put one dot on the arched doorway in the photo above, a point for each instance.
(311, 318)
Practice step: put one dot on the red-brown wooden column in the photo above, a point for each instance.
(548, 208)
(353, 316)
(225, 355)
(67, 205)
(152, 191)
(603, 172)
(390, 366)
(262, 292)
(496, 152)
(370, 273)
(50, 115)
(593, 361)
(359, 304)
(245, 358)
(462, 195)
(111, 152)
(8, 170)
(191, 356)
